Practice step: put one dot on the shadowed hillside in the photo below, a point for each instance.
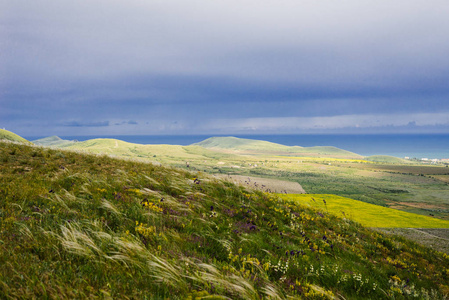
(75, 225)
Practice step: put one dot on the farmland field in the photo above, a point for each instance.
(368, 215)
(433, 233)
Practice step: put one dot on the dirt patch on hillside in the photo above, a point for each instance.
(443, 178)
(266, 184)
(415, 205)
(435, 238)
(416, 170)
(406, 205)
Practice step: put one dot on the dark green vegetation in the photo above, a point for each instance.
(74, 225)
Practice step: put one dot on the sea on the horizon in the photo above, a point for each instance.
(399, 145)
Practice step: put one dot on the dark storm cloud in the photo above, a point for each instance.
(90, 124)
(176, 66)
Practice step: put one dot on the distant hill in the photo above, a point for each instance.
(386, 159)
(174, 154)
(257, 146)
(55, 141)
(10, 136)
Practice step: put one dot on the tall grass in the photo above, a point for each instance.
(74, 225)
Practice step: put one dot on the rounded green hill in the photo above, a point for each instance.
(386, 159)
(10, 136)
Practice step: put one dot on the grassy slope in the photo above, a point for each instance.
(10, 136)
(238, 144)
(83, 226)
(384, 184)
(386, 159)
(54, 141)
(368, 215)
(125, 149)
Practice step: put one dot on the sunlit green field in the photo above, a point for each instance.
(368, 215)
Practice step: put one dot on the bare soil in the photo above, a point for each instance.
(415, 205)
(266, 184)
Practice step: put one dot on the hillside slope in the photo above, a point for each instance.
(257, 146)
(387, 159)
(54, 141)
(173, 154)
(87, 226)
(10, 136)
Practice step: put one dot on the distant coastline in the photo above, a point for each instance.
(431, 146)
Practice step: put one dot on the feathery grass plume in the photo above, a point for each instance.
(5, 290)
(85, 190)
(108, 206)
(117, 250)
(175, 204)
(226, 243)
(70, 176)
(195, 194)
(127, 251)
(77, 242)
(178, 182)
(121, 259)
(122, 176)
(131, 248)
(167, 273)
(150, 192)
(71, 200)
(152, 180)
(238, 285)
(70, 197)
(271, 292)
(24, 230)
(58, 200)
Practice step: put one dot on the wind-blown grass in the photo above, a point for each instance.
(84, 226)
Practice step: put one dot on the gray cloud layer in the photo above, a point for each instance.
(179, 66)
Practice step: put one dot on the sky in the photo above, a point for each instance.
(170, 67)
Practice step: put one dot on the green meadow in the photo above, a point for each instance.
(82, 226)
(109, 219)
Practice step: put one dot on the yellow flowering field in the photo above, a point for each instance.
(369, 215)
